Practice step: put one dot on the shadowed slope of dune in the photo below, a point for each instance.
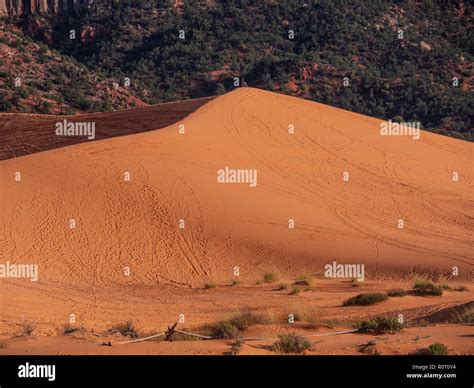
(135, 223)
(24, 134)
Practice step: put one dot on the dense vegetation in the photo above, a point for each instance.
(408, 79)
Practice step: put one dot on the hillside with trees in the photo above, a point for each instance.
(402, 60)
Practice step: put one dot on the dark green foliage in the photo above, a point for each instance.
(438, 349)
(365, 299)
(291, 343)
(233, 326)
(426, 287)
(396, 292)
(389, 78)
(380, 325)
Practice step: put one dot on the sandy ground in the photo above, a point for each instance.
(134, 224)
(458, 339)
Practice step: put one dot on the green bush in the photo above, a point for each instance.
(270, 277)
(366, 299)
(467, 317)
(379, 325)
(438, 349)
(427, 287)
(233, 326)
(397, 292)
(304, 280)
(209, 285)
(291, 343)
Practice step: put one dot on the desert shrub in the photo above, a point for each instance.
(291, 343)
(238, 323)
(283, 286)
(236, 346)
(209, 285)
(298, 316)
(236, 282)
(438, 349)
(396, 292)
(245, 319)
(379, 325)
(461, 288)
(68, 329)
(270, 277)
(365, 299)
(223, 329)
(446, 287)
(304, 280)
(127, 329)
(427, 287)
(27, 329)
(296, 290)
(467, 317)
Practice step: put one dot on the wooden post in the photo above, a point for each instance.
(170, 332)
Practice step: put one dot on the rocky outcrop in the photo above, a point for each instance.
(16, 8)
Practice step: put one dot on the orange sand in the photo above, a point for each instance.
(174, 176)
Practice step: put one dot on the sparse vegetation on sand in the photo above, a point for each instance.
(467, 317)
(69, 329)
(27, 329)
(236, 346)
(299, 316)
(127, 329)
(396, 292)
(379, 325)
(369, 348)
(355, 282)
(270, 277)
(283, 286)
(427, 287)
(461, 289)
(304, 280)
(446, 287)
(235, 325)
(296, 290)
(302, 283)
(438, 349)
(366, 299)
(291, 343)
(236, 282)
(209, 285)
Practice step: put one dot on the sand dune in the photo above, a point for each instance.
(174, 179)
(300, 177)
